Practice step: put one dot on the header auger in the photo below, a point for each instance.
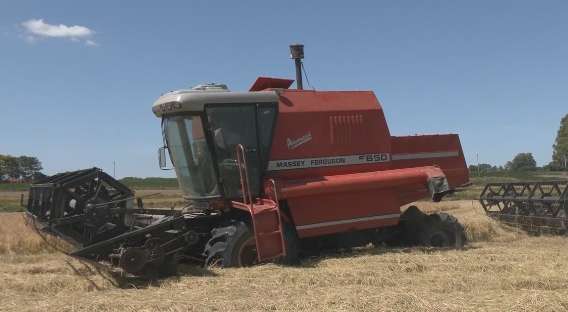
(271, 173)
(85, 205)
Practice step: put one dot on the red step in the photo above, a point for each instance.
(268, 230)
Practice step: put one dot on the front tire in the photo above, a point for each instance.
(292, 245)
(231, 246)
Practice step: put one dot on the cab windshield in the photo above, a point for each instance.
(191, 156)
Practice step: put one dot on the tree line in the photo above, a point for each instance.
(526, 162)
(19, 168)
(560, 147)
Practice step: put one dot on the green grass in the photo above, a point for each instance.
(506, 176)
(10, 196)
(150, 183)
(9, 205)
(14, 186)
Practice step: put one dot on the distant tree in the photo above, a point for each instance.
(560, 147)
(522, 162)
(483, 169)
(12, 167)
(29, 167)
(22, 167)
(3, 169)
(38, 176)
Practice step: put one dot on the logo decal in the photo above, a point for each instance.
(346, 160)
(292, 144)
(170, 106)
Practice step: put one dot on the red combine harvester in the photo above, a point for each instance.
(270, 174)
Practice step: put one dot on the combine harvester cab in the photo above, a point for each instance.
(273, 172)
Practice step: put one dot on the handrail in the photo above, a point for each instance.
(274, 190)
(277, 203)
(245, 182)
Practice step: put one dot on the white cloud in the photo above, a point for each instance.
(37, 28)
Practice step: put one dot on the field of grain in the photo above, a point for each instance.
(161, 198)
(501, 270)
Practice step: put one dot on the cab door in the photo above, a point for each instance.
(230, 125)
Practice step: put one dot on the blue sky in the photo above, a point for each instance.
(493, 71)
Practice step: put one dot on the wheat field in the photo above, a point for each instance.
(501, 269)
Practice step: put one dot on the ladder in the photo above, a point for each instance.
(265, 213)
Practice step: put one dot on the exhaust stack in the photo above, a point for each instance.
(297, 53)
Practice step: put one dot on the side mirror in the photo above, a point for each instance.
(163, 158)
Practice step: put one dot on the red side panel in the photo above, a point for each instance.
(357, 201)
(315, 127)
(444, 151)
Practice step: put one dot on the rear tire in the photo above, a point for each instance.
(435, 230)
(442, 230)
